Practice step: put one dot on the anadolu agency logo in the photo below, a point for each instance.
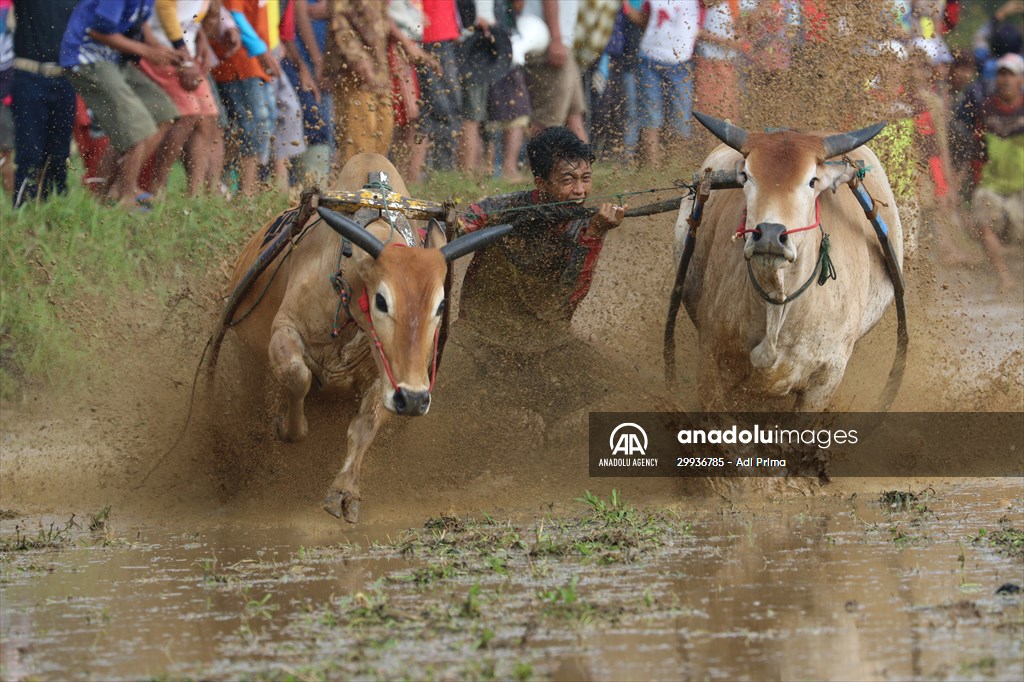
(628, 439)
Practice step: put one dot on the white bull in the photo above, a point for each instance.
(768, 236)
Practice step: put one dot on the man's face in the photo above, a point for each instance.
(1008, 85)
(568, 181)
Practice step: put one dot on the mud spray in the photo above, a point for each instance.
(95, 445)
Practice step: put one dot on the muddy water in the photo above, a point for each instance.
(842, 587)
(223, 566)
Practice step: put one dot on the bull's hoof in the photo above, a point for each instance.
(342, 505)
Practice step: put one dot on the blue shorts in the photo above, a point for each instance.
(317, 117)
(249, 104)
(666, 90)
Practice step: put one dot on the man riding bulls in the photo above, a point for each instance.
(518, 300)
(533, 282)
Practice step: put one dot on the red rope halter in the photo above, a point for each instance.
(742, 230)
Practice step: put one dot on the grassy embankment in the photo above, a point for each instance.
(57, 254)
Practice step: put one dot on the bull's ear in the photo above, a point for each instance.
(741, 175)
(353, 231)
(475, 240)
(835, 174)
(435, 235)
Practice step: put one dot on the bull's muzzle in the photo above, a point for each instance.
(770, 239)
(411, 403)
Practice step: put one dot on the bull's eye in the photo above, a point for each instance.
(813, 181)
(381, 304)
(440, 308)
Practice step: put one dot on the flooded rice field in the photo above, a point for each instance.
(202, 552)
(480, 556)
(921, 584)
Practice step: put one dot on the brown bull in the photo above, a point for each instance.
(384, 349)
(765, 326)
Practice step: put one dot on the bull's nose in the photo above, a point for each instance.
(411, 403)
(771, 240)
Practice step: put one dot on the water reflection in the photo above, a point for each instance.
(819, 588)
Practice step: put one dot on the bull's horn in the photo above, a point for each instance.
(353, 231)
(469, 243)
(842, 143)
(734, 136)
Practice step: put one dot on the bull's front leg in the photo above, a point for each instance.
(342, 498)
(288, 363)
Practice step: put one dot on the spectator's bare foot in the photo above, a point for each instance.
(513, 178)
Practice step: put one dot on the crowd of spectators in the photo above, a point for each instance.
(247, 92)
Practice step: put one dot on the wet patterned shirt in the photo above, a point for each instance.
(539, 272)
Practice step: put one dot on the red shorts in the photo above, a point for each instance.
(405, 89)
(199, 102)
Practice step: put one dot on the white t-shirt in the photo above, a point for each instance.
(567, 13)
(190, 15)
(671, 32)
(718, 22)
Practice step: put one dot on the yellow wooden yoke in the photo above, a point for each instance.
(414, 209)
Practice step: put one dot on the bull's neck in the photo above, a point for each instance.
(781, 284)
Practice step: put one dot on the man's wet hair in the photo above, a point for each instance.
(551, 144)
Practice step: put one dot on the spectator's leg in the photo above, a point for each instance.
(289, 138)
(419, 147)
(200, 151)
(631, 126)
(163, 112)
(994, 251)
(252, 119)
(513, 137)
(651, 114)
(109, 170)
(472, 147)
(29, 114)
(59, 124)
(442, 106)
(508, 107)
(556, 95)
(206, 141)
(217, 131)
(313, 165)
(474, 113)
(170, 148)
(131, 163)
(6, 149)
(577, 118)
